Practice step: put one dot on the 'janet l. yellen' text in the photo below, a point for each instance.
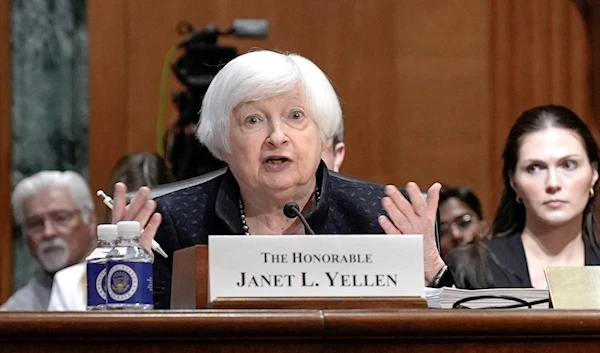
(332, 279)
(326, 278)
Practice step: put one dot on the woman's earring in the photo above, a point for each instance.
(592, 193)
(518, 199)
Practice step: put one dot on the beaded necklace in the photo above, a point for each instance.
(245, 228)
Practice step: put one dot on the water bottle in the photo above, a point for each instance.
(129, 271)
(96, 266)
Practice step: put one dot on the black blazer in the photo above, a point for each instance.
(500, 263)
(347, 206)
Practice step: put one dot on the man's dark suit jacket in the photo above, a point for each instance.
(347, 206)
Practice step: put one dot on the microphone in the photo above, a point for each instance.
(291, 210)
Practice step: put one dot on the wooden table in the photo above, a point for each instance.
(430, 331)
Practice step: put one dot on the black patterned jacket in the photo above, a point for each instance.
(347, 206)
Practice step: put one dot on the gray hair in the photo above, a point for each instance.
(46, 179)
(259, 75)
(339, 134)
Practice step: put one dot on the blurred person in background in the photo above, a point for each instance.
(461, 218)
(136, 170)
(56, 214)
(335, 150)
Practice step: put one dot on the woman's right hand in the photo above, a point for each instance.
(140, 209)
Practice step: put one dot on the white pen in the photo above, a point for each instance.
(108, 201)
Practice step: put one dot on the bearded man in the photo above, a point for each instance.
(55, 211)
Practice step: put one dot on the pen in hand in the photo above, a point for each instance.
(108, 201)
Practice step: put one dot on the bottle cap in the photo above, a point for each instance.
(107, 232)
(128, 229)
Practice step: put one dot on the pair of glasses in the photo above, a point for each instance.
(60, 219)
(517, 302)
(461, 222)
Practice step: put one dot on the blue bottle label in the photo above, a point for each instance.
(96, 284)
(129, 282)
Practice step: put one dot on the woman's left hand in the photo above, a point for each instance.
(415, 217)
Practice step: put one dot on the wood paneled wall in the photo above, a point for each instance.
(5, 154)
(412, 76)
(539, 55)
(429, 88)
(591, 11)
(109, 86)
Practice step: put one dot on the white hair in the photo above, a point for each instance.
(259, 75)
(53, 254)
(339, 134)
(46, 179)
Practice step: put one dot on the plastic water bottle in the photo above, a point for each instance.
(129, 271)
(96, 267)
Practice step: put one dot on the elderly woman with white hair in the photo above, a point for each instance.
(269, 116)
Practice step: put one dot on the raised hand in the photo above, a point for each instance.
(140, 209)
(415, 217)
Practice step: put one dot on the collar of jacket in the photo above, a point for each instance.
(227, 208)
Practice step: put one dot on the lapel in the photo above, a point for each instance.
(227, 204)
(508, 254)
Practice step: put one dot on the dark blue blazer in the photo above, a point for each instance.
(347, 206)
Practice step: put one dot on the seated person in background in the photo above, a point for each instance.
(56, 214)
(269, 116)
(547, 213)
(335, 150)
(136, 170)
(461, 218)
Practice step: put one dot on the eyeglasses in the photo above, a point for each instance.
(462, 222)
(60, 219)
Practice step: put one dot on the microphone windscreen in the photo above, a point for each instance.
(291, 210)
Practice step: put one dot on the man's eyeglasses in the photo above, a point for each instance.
(60, 219)
(462, 222)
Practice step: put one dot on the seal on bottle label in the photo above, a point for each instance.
(129, 282)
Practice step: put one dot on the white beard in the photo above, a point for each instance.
(53, 254)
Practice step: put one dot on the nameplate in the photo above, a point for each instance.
(315, 266)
